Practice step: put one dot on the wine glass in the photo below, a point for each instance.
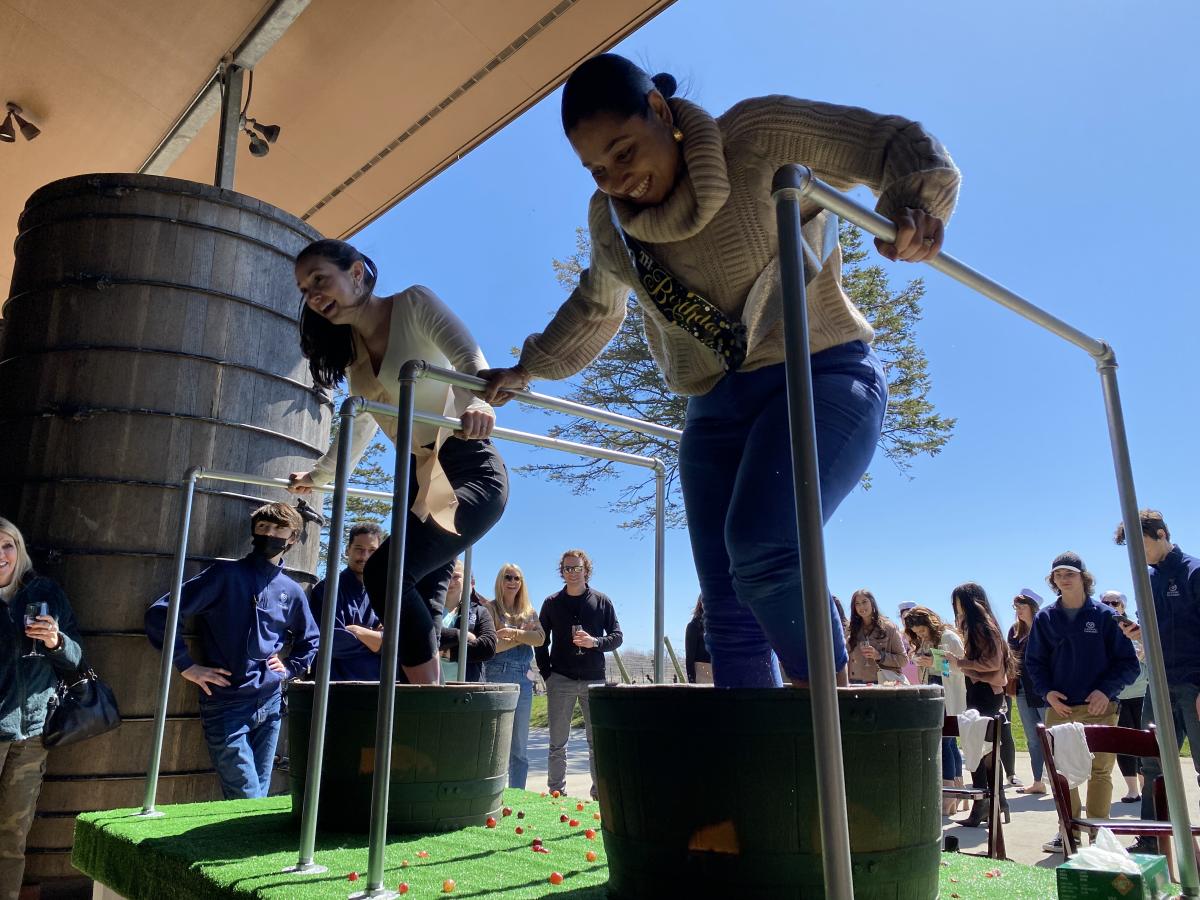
(32, 611)
(575, 629)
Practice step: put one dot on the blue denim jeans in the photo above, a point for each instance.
(736, 471)
(1187, 724)
(951, 759)
(241, 736)
(512, 667)
(1031, 717)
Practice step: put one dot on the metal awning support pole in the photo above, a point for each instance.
(229, 126)
(660, 550)
(679, 672)
(385, 711)
(464, 616)
(168, 648)
(806, 185)
(316, 735)
(827, 732)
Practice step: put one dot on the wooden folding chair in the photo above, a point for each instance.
(990, 794)
(1111, 739)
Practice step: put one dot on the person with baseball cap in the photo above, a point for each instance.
(1030, 707)
(1080, 660)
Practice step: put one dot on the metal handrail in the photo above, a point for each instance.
(791, 184)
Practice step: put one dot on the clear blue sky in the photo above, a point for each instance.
(1075, 126)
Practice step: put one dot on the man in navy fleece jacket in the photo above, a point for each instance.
(1079, 660)
(246, 611)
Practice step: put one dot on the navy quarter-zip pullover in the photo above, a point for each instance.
(1175, 583)
(1077, 657)
(245, 610)
(352, 659)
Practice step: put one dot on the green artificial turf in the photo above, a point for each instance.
(235, 849)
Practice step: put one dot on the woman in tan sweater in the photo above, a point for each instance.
(876, 648)
(683, 219)
(988, 664)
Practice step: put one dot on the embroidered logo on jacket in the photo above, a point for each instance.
(1090, 628)
(1172, 588)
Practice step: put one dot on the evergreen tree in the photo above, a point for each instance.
(625, 379)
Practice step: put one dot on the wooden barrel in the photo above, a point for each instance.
(712, 793)
(449, 754)
(151, 327)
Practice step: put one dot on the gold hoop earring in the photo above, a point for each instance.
(677, 134)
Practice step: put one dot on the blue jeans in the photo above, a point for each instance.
(735, 467)
(512, 667)
(1031, 717)
(951, 759)
(241, 736)
(1187, 724)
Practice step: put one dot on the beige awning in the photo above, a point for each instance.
(374, 96)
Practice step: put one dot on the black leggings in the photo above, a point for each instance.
(480, 481)
(1130, 717)
(980, 697)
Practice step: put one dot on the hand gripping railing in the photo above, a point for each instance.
(406, 414)
(792, 183)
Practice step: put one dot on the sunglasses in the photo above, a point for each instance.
(512, 577)
(572, 568)
(1114, 604)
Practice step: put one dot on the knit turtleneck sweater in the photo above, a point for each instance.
(716, 232)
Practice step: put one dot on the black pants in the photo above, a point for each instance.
(980, 697)
(480, 481)
(1130, 717)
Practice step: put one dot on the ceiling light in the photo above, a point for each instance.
(28, 130)
(269, 132)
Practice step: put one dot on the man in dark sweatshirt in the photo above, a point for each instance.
(1079, 660)
(581, 626)
(246, 611)
(357, 631)
(1175, 583)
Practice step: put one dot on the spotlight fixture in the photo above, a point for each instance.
(28, 130)
(269, 132)
(260, 146)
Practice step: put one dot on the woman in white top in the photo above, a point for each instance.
(458, 484)
(926, 632)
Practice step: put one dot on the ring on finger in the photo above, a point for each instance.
(928, 241)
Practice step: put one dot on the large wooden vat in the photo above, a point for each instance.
(150, 328)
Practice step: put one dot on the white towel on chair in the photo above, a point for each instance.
(972, 732)
(1072, 757)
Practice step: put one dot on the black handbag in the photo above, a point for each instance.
(82, 707)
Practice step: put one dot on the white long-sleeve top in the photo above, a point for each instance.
(422, 327)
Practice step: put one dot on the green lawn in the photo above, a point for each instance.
(538, 719)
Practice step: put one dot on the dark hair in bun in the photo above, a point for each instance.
(609, 83)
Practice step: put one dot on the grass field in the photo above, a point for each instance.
(236, 849)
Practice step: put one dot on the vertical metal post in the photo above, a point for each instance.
(827, 735)
(679, 672)
(464, 616)
(168, 648)
(316, 736)
(660, 547)
(391, 637)
(229, 125)
(1160, 692)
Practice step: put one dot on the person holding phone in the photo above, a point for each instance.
(580, 625)
(33, 655)
(876, 648)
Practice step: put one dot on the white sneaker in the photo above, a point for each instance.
(1054, 845)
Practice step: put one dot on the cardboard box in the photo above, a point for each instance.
(1077, 883)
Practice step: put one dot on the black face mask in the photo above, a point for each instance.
(268, 546)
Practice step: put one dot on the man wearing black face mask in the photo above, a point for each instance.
(245, 611)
